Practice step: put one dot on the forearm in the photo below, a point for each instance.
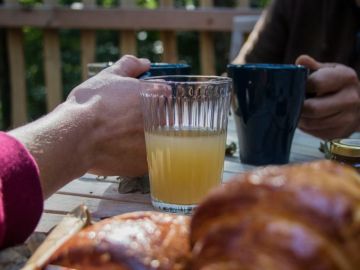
(60, 143)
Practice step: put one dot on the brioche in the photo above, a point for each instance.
(294, 217)
(281, 217)
(140, 240)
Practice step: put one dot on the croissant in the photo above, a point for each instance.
(140, 240)
(290, 217)
(293, 217)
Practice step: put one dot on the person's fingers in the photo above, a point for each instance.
(333, 121)
(326, 106)
(311, 63)
(331, 116)
(130, 66)
(308, 61)
(327, 77)
(326, 134)
(336, 126)
(331, 79)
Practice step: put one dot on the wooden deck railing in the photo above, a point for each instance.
(127, 19)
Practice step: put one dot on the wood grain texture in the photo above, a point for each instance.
(88, 43)
(52, 64)
(128, 41)
(243, 3)
(14, 38)
(209, 19)
(48, 222)
(207, 49)
(17, 77)
(99, 208)
(99, 189)
(168, 38)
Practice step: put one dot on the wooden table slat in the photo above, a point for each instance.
(99, 208)
(48, 221)
(100, 189)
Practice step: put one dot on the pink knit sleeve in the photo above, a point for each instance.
(21, 201)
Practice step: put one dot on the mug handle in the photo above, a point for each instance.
(144, 75)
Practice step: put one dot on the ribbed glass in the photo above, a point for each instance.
(185, 119)
(186, 101)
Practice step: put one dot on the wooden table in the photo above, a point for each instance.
(103, 199)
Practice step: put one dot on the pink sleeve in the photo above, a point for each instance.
(21, 201)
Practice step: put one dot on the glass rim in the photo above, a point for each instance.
(169, 65)
(208, 79)
(264, 66)
(99, 64)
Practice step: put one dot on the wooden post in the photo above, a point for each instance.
(127, 38)
(17, 73)
(168, 39)
(17, 77)
(243, 3)
(52, 64)
(88, 43)
(207, 50)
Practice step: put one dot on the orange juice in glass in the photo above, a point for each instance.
(185, 132)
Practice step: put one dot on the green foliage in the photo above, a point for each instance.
(150, 4)
(29, 3)
(34, 72)
(259, 3)
(70, 59)
(107, 46)
(188, 49)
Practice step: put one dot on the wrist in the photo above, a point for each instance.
(76, 123)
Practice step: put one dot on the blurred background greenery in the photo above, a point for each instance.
(149, 46)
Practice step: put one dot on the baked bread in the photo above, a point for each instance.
(140, 240)
(281, 217)
(293, 217)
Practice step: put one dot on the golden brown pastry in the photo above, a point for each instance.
(285, 218)
(298, 217)
(141, 240)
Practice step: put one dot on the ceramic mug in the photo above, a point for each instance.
(267, 103)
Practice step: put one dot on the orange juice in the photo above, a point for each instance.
(184, 164)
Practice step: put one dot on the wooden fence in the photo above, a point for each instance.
(127, 19)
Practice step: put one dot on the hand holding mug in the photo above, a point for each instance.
(334, 111)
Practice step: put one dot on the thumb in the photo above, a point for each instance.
(130, 66)
(309, 62)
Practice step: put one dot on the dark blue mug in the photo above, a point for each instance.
(162, 69)
(267, 104)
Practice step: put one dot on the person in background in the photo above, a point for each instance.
(98, 129)
(323, 35)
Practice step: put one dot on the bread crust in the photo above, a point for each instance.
(281, 217)
(294, 217)
(140, 240)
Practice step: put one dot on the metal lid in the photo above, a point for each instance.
(345, 147)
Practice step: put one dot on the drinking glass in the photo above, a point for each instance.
(185, 120)
(163, 69)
